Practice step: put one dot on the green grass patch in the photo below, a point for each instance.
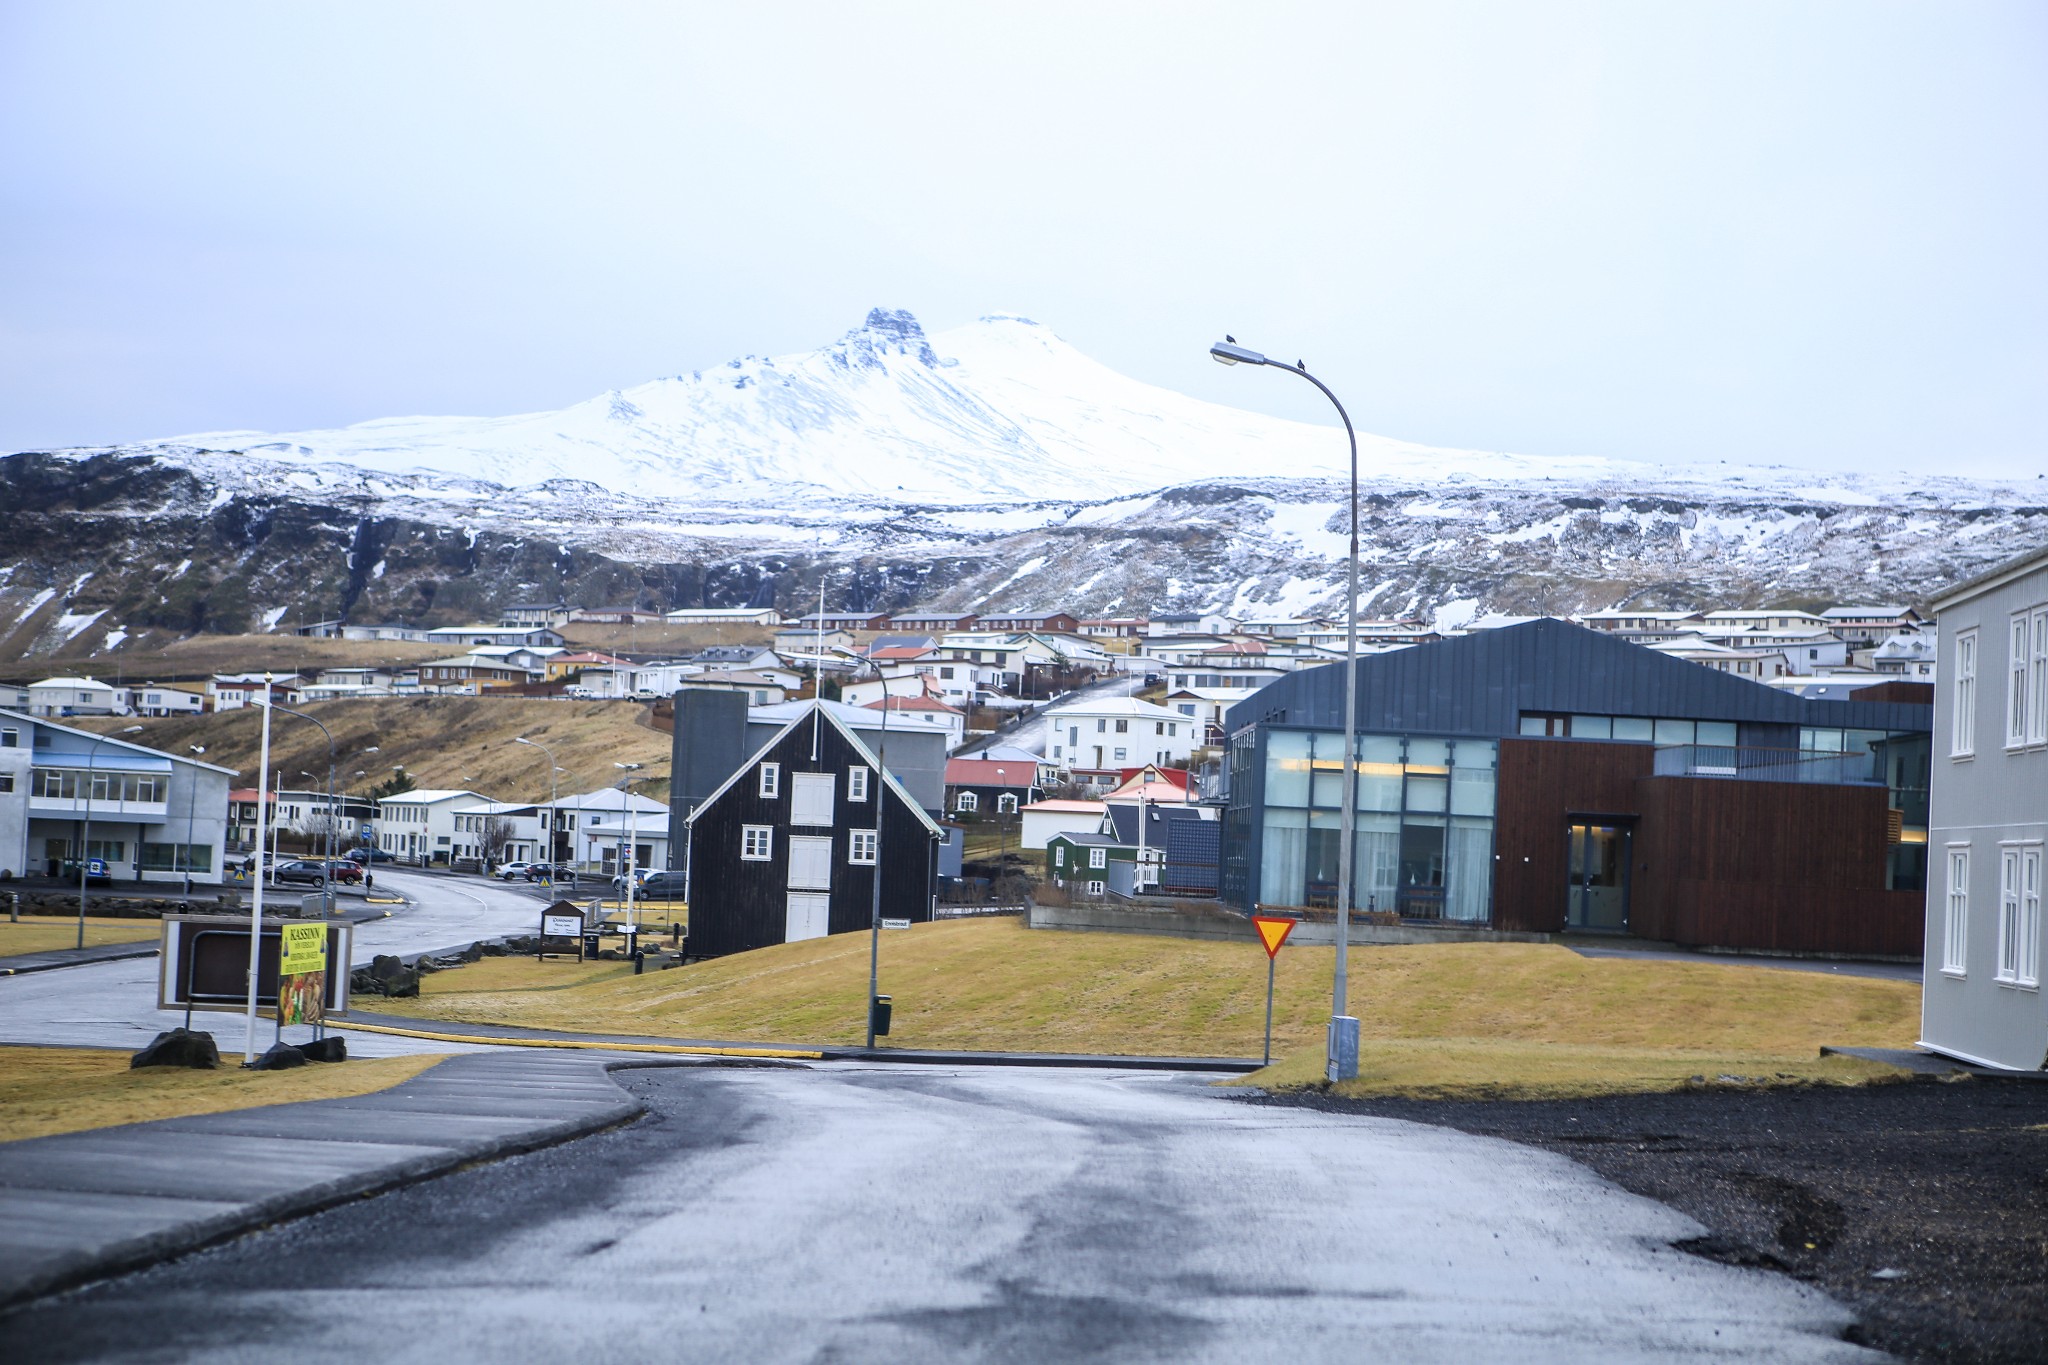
(42, 933)
(1438, 1019)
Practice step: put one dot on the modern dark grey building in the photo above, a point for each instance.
(1546, 777)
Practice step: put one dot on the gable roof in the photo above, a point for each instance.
(101, 742)
(909, 704)
(984, 772)
(1124, 819)
(824, 710)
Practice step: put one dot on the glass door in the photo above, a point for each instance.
(1597, 893)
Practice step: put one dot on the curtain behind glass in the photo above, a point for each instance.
(1283, 857)
(1469, 870)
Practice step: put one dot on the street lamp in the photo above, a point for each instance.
(628, 862)
(553, 813)
(191, 804)
(881, 796)
(1341, 1061)
(85, 834)
(326, 862)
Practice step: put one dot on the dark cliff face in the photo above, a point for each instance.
(152, 546)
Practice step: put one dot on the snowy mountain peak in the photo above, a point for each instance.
(887, 332)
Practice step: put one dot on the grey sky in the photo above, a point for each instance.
(1809, 234)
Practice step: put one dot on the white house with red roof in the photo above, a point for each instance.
(979, 785)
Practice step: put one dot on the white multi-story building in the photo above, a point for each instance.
(1100, 737)
(523, 826)
(148, 815)
(165, 699)
(1987, 832)
(420, 825)
(233, 691)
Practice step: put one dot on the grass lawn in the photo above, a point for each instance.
(45, 1090)
(40, 933)
(1440, 1019)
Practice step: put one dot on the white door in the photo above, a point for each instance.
(810, 863)
(810, 799)
(808, 915)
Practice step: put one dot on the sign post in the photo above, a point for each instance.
(1273, 931)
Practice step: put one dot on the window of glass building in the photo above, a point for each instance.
(1423, 834)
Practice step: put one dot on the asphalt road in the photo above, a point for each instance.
(113, 1004)
(840, 1213)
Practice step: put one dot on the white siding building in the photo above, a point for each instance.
(1102, 736)
(1988, 821)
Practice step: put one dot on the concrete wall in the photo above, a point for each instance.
(14, 763)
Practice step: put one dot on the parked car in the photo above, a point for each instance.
(348, 873)
(655, 886)
(640, 876)
(367, 855)
(512, 872)
(299, 870)
(549, 872)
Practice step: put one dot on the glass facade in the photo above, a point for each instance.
(1423, 837)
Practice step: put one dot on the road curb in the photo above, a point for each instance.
(69, 1268)
(27, 969)
(571, 1044)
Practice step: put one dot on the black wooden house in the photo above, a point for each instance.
(785, 849)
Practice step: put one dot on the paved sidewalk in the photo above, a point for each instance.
(80, 1206)
(20, 964)
(408, 1025)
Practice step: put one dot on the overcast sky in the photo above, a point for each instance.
(1804, 233)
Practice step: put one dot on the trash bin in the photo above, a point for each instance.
(590, 945)
(879, 1012)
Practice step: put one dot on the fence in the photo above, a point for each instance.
(1767, 765)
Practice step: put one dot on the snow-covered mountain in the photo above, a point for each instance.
(992, 466)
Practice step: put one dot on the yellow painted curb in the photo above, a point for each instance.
(595, 1045)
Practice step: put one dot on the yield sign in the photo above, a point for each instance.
(1273, 931)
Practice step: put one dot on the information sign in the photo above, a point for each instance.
(561, 926)
(895, 924)
(301, 972)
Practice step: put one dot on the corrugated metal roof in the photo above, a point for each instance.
(1480, 684)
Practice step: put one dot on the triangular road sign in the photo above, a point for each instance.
(1273, 932)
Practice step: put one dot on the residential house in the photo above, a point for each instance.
(532, 615)
(723, 616)
(1546, 777)
(613, 616)
(1060, 815)
(1099, 736)
(471, 675)
(66, 696)
(523, 825)
(575, 820)
(1871, 625)
(540, 637)
(1190, 623)
(241, 821)
(1807, 649)
(606, 837)
(340, 684)
(384, 632)
(419, 826)
(167, 699)
(1206, 707)
(1906, 654)
(916, 753)
(1038, 621)
(912, 713)
(794, 843)
(67, 794)
(843, 620)
(760, 688)
(1125, 854)
(1761, 618)
(933, 621)
(1113, 627)
(795, 643)
(1758, 665)
(979, 785)
(1988, 822)
(745, 658)
(233, 691)
(567, 665)
(1633, 623)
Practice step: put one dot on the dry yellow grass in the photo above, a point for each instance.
(45, 1090)
(442, 741)
(41, 933)
(1438, 1018)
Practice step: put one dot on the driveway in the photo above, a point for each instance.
(846, 1213)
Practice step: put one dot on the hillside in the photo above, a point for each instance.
(460, 742)
(992, 467)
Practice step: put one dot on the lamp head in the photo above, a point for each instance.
(1228, 352)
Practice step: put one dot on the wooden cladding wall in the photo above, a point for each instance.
(1539, 783)
(1716, 862)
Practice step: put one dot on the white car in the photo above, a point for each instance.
(512, 872)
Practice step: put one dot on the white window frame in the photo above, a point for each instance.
(771, 780)
(1955, 936)
(757, 843)
(860, 847)
(1098, 857)
(1963, 725)
(2007, 971)
(2037, 677)
(1006, 803)
(1096, 888)
(1059, 855)
(2032, 875)
(857, 782)
(967, 801)
(2017, 640)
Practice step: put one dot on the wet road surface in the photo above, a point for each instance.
(841, 1212)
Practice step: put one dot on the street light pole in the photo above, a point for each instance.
(554, 814)
(1341, 1062)
(190, 805)
(85, 834)
(632, 840)
(881, 800)
(326, 862)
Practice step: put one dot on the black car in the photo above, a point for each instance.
(548, 872)
(660, 886)
(368, 855)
